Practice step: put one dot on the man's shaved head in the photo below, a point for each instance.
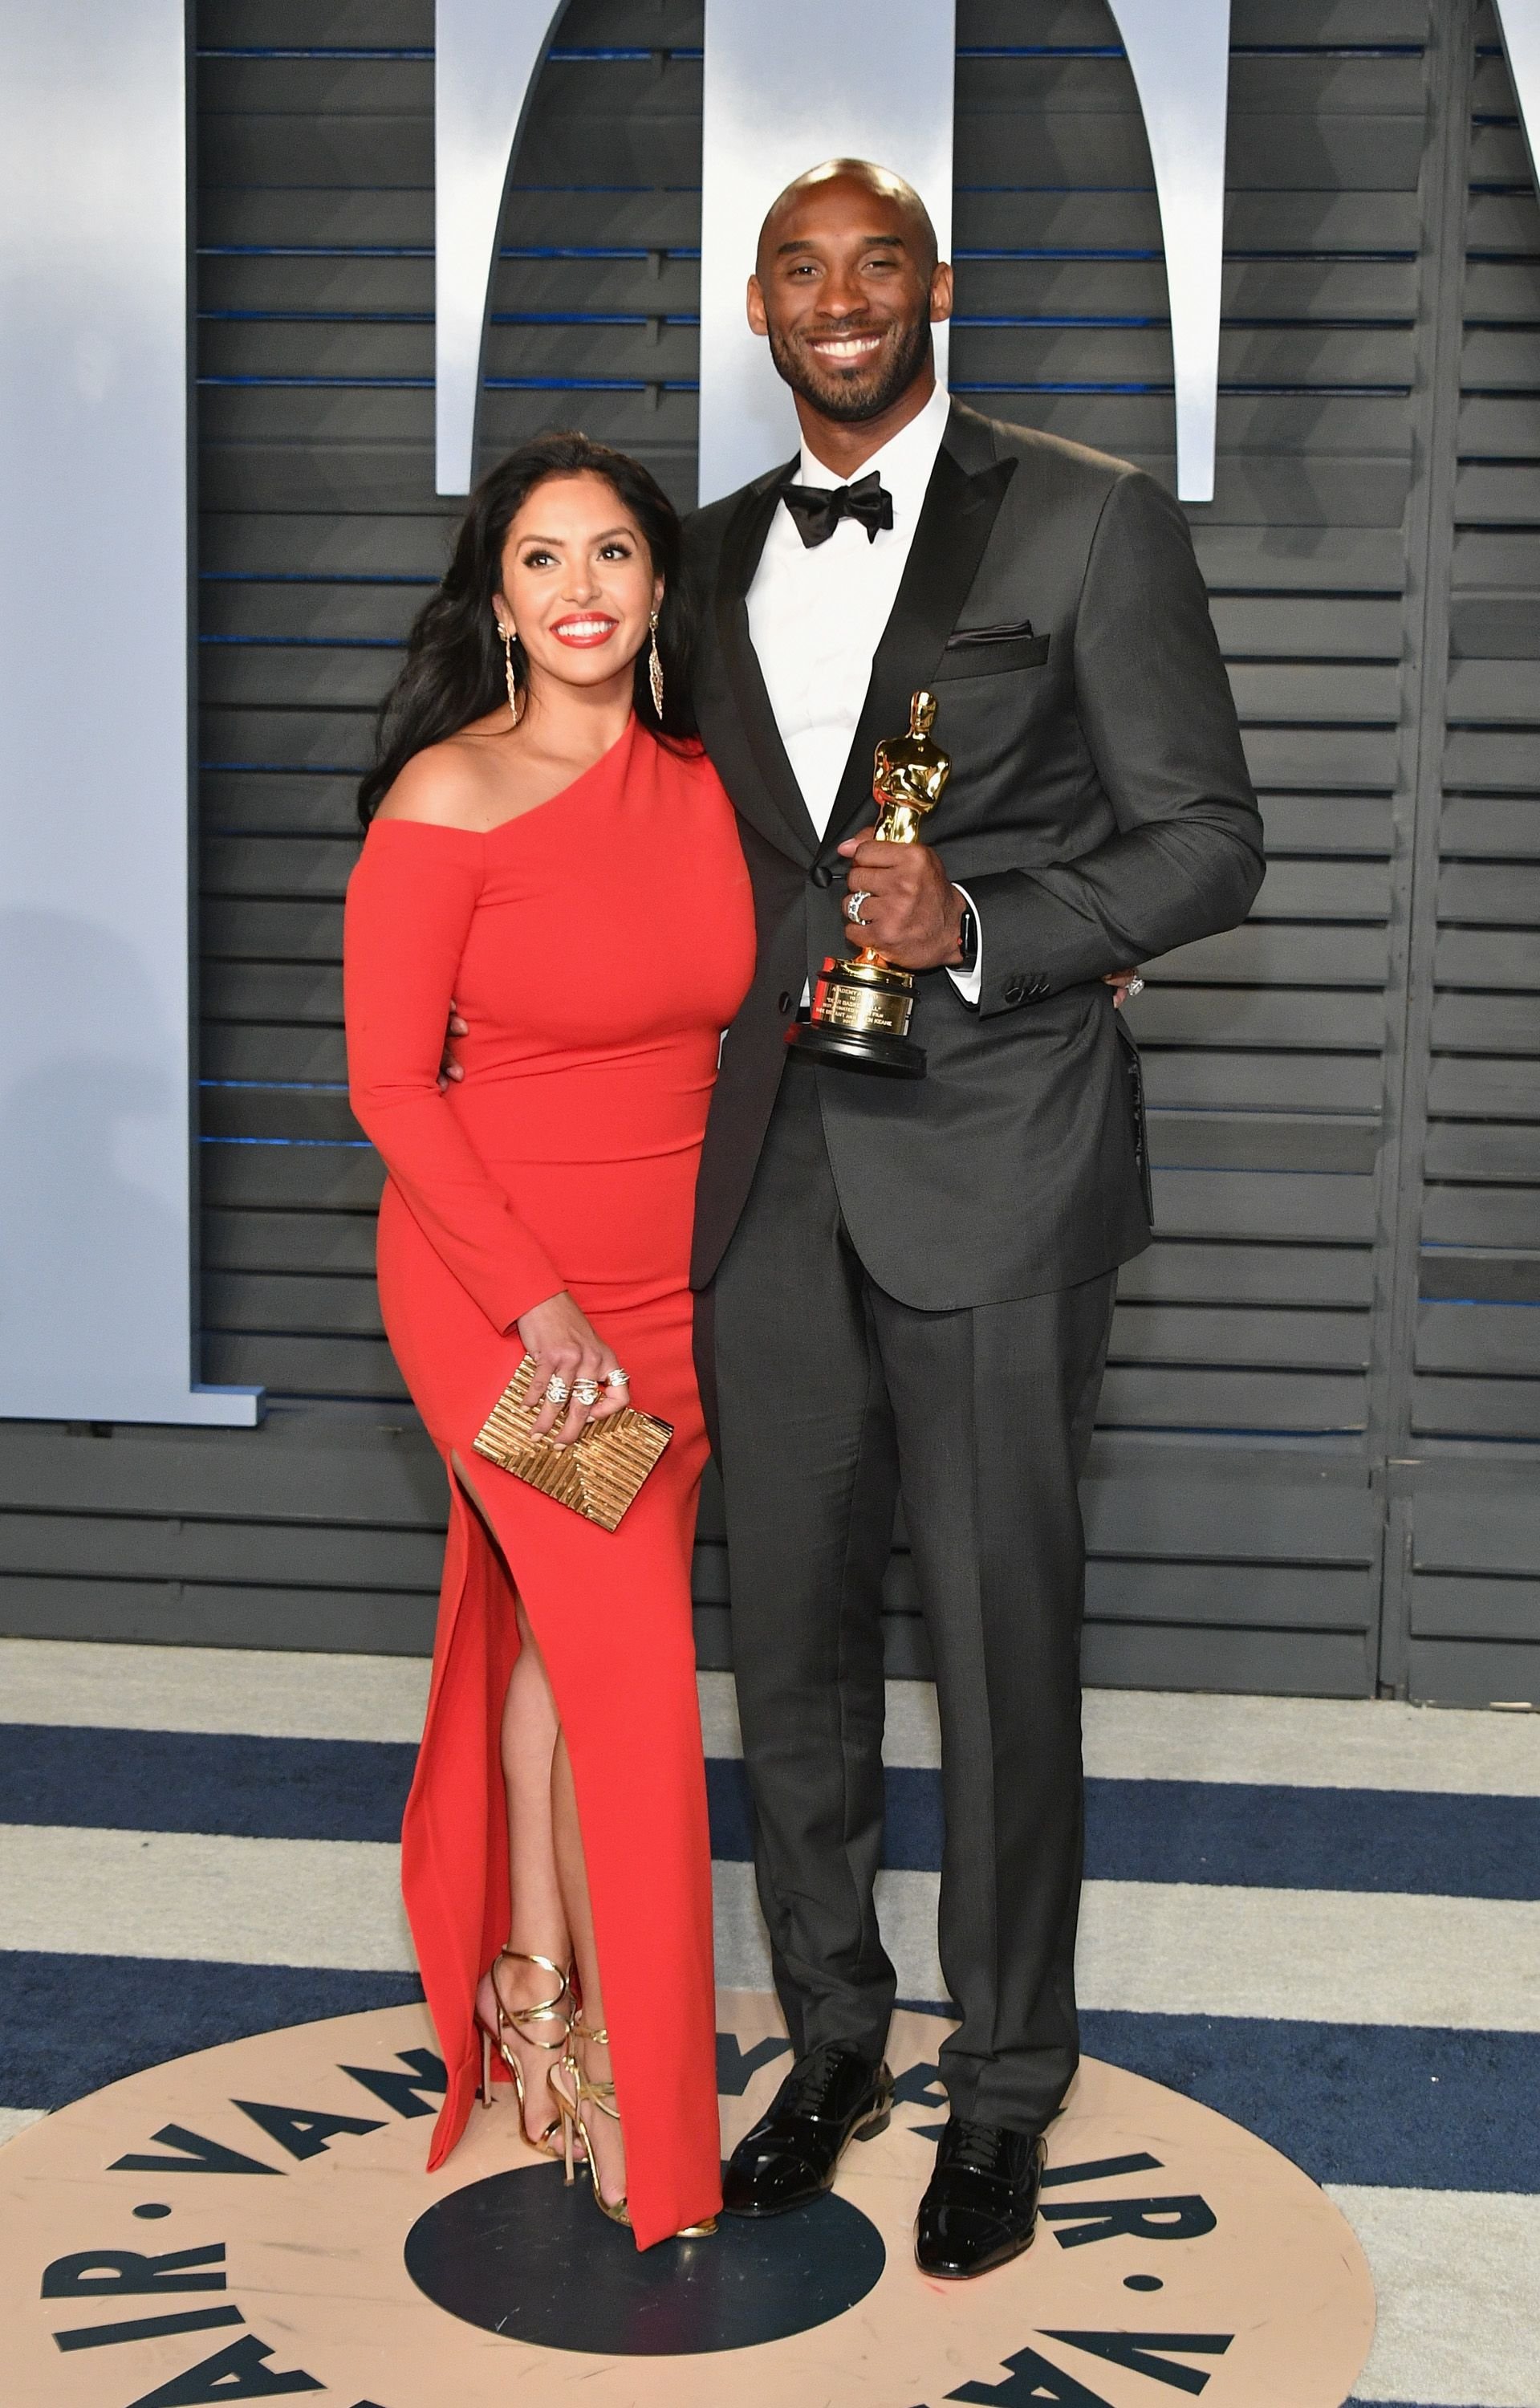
(853, 178)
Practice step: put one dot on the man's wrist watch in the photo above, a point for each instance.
(967, 942)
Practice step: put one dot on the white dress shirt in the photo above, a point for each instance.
(816, 616)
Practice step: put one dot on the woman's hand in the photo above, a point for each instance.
(448, 1068)
(1124, 983)
(566, 1346)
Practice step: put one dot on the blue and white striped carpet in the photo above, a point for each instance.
(1321, 1919)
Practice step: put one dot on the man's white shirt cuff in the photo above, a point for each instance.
(970, 983)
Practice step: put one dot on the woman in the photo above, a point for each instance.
(547, 844)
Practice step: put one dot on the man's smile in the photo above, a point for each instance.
(845, 350)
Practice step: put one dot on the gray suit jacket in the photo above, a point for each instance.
(1099, 813)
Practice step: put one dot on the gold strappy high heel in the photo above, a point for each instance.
(600, 2095)
(544, 2011)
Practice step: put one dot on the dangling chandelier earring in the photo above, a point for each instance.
(655, 668)
(515, 702)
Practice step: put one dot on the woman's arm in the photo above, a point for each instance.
(409, 904)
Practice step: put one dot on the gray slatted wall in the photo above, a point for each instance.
(1234, 1528)
(1471, 1501)
(1258, 1441)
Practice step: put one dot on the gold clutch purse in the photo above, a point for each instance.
(597, 1475)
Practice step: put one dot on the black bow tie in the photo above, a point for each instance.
(818, 510)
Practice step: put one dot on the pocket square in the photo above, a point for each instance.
(991, 652)
(1015, 634)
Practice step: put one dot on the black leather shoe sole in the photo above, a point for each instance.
(752, 2212)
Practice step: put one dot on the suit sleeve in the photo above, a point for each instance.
(1157, 713)
(409, 904)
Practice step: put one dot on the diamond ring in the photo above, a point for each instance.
(617, 1379)
(585, 1392)
(557, 1391)
(852, 907)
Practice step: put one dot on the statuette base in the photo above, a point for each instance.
(855, 1049)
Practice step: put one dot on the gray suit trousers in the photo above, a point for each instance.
(830, 1398)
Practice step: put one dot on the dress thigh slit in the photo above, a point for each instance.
(611, 1615)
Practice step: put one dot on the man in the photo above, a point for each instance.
(907, 1284)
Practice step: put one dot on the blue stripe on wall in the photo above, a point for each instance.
(1254, 1836)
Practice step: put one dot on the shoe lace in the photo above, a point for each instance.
(979, 2148)
(808, 2087)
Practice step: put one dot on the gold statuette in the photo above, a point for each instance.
(862, 1006)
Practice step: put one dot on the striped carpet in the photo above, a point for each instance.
(1321, 1919)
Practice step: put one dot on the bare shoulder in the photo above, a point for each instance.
(445, 785)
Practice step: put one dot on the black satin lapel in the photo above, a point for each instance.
(779, 812)
(956, 519)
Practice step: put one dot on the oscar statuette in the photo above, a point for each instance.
(862, 1006)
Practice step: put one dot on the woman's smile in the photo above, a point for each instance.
(585, 628)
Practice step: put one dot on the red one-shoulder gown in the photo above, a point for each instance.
(597, 946)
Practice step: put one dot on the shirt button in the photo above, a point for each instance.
(822, 874)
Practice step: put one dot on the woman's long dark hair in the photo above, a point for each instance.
(454, 669)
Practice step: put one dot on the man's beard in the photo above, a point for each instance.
(842, 393)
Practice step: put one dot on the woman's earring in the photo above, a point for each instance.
(655, 669)
(515, 705)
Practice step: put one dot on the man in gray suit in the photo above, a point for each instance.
(905, 1286)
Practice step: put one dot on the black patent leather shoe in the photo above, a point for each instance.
(980, 2210)
(831, 2097)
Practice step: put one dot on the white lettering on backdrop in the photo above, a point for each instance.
(96, 1121)
(96, 1118)
(784, 88)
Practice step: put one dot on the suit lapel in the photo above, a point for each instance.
(778, 812)
(956, 519)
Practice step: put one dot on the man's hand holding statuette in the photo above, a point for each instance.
(911, 912)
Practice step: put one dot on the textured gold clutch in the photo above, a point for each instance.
(597, 1475)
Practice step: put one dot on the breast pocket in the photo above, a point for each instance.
(991, 652)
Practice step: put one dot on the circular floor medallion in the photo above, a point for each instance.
(512, 2253)
(254, 2222)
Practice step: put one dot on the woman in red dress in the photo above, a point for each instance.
(547, 848)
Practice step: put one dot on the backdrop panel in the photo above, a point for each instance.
(1315, 1469)
(95, 1063)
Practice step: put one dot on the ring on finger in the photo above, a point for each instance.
(1135, 986)
(852, 906)
(617, 1379)
(585, 1392)
(557, 1391)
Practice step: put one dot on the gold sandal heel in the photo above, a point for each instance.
(599, 2095)
(570, 2106)
(544, 2011)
